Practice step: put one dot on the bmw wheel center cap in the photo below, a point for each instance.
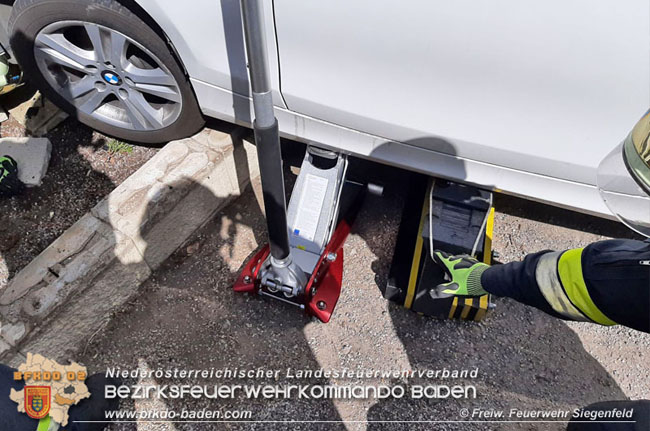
(111, 78)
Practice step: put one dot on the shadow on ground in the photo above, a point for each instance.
(547, 214)
(187, 317)
(81, 172)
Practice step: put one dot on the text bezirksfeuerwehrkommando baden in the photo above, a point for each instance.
(326, 390)
(307, 391)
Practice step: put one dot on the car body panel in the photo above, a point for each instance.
(218, 103)
(546, 87)
(525, 103)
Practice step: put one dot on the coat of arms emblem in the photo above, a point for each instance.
(37, 401)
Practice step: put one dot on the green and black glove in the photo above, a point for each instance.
(464, 272)
(9, 182)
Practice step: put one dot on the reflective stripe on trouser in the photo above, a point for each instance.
(560, 279)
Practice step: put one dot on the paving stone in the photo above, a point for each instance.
(12, 333)
(38, 115)
(32, 156)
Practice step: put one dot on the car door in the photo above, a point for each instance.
(540, 86)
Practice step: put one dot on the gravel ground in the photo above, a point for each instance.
(187, 317)
(82, 171)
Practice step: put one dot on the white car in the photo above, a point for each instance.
(521, 97)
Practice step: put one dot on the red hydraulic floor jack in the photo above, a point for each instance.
(303, 263)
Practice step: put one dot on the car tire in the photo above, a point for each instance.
(147, 97)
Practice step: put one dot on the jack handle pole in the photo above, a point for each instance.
(267, 137)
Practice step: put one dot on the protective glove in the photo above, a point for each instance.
(9, 182)
(464, 272)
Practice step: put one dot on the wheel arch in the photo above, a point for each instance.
(141, 13)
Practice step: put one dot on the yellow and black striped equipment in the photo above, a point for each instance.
(451, 217)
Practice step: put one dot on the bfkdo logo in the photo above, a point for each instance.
(38, 400)
(50, 388)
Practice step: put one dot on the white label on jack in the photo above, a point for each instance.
(310, 206)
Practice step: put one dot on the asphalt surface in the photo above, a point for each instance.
(187, 317)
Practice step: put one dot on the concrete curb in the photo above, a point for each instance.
(67, 293)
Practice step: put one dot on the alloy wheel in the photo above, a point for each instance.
(107, 75)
